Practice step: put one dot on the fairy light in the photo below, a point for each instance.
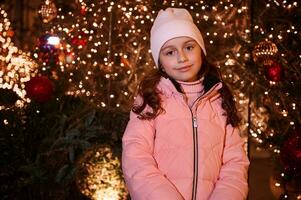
(16, 66)
(112, 70)
(99, 177)
(5, 122)
(284, 113)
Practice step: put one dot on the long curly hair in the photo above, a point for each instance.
(151, 95)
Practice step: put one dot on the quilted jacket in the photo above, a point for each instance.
(184, 153)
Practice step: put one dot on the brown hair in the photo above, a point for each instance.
(150, 94)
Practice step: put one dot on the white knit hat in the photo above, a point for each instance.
(172, 23)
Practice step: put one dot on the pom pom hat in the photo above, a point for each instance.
(172, 23)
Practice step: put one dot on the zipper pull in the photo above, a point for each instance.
(195, 123)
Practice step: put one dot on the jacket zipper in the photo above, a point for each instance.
(195, 146)
(195, 151)
(195, 158)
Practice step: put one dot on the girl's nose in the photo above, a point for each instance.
(182, 57)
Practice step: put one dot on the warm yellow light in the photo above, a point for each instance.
(16, 67)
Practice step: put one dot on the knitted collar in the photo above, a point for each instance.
(192, 87)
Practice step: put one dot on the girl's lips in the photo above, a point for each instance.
(184, 69)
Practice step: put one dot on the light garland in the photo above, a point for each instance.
(98, 45)
(86, 51)
(99, 175)
(16, 66)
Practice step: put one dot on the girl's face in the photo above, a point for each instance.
(181, 58)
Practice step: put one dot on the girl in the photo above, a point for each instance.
(181, 141)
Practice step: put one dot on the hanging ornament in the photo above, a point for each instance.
(48, 43)
(48, 49)
(39, 88)
(291, 154)
(264, 52)
(99, 174)
(48, 11)
(274, 71)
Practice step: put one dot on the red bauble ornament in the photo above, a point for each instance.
(274, 72)
(80, 39)
(39, 88)
(291, 153)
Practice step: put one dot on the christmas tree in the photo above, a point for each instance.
(275, 100)
(65, 108)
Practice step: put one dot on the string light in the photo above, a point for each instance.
(114, 63)
(98, 175)
(16, 66)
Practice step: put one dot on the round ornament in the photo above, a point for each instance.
(80, 39)
(47, 51)
(99, 174)
(45, 44)
(274, 72)
(48, 11)
(39, 88)
(264, 52)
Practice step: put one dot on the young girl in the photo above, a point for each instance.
(181, 141)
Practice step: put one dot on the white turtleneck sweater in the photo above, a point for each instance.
(192, 90)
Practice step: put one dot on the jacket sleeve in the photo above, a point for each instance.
(143, 178)
(232, 182)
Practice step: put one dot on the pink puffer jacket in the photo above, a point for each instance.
(185, 153)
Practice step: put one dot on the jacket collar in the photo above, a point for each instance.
(168, 89)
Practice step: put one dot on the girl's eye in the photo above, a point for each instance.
(190, 47)
(169, 53)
